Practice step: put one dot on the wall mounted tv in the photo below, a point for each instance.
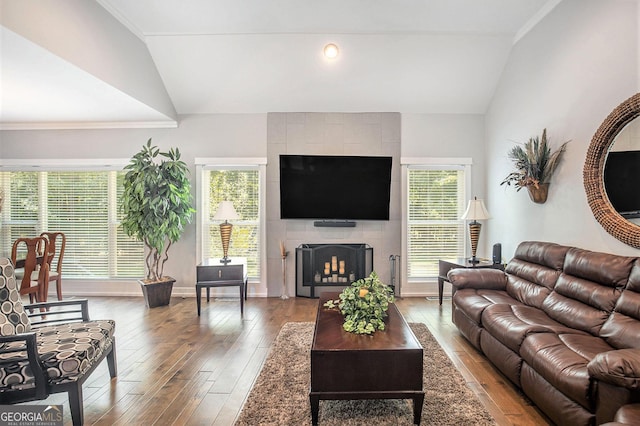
(622, 182)
(331, 187)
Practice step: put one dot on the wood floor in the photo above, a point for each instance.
(175, 368)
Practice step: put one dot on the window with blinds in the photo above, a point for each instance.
(436, 200)
(241, 185)
(83, 205)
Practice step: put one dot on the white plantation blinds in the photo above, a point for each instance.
(241, 185)
(83, 205)
(436, 197)
(20, 209)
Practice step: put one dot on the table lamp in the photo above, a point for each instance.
(475, 211)
(225, 212)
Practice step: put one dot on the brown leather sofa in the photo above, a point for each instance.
(562, 323)
(627, 415)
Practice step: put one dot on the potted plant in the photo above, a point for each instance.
(156, 205)
(535, 164)
(364, 305)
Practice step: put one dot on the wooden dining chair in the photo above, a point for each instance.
(57, 244)
(34, 277)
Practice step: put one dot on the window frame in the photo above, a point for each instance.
(235, 163)
(429, 163)
(71, 166)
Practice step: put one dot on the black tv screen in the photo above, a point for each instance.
(622, 182)
(334, 187)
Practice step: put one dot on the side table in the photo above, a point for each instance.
(444, 266)
(213, 273)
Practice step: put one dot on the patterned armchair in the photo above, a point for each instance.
(49, 347)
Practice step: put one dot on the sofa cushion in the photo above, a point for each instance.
(473, 302)
(67, 351)
(619, 367)
(628, 414)
(550, 255)
(622, 328)
(561, 359)
(481, 278)
(511, 324)
(529, 292)
(576, 311)
(534, 270)
(607, 269)
(13, 318)
(588, 289)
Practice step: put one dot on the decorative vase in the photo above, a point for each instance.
(157, 293)
(538, 195)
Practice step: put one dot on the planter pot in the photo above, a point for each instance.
(538, 195)
(157, 293)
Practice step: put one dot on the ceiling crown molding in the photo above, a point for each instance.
(169, 124)
(535, 19)
(123, 20)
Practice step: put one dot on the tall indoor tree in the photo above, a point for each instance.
(156, 204)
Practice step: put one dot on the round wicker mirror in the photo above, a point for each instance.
(593, 173)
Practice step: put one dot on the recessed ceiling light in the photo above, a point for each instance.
(331, 51)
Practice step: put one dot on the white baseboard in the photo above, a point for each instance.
(83, 288)
(79, 288)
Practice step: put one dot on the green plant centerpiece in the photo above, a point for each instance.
(156, 205)
(364, 305)
(535, 164)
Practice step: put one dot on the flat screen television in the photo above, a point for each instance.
(622, 182)
(329, 187)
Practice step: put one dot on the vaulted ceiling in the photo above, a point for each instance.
(255, 56)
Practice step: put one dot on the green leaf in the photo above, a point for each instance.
(156, 201)
(364, 314)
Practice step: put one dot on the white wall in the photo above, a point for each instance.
(207, 135)
(331, 134)
(566, 75)
(447, 136)
(113, 54)
(245, 135)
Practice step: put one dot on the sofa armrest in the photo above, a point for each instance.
(57, 312)
(485, 278)
(20, 348)
(620, 367)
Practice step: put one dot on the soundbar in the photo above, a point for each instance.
(334, 224)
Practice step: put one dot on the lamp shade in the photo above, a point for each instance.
(476, 211)
(226, 211)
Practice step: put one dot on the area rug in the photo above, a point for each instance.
(280, 395)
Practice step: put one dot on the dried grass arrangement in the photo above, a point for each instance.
(534, 162)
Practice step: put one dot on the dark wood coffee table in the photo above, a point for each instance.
(386, 365)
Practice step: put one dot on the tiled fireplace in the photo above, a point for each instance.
(330, 267)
